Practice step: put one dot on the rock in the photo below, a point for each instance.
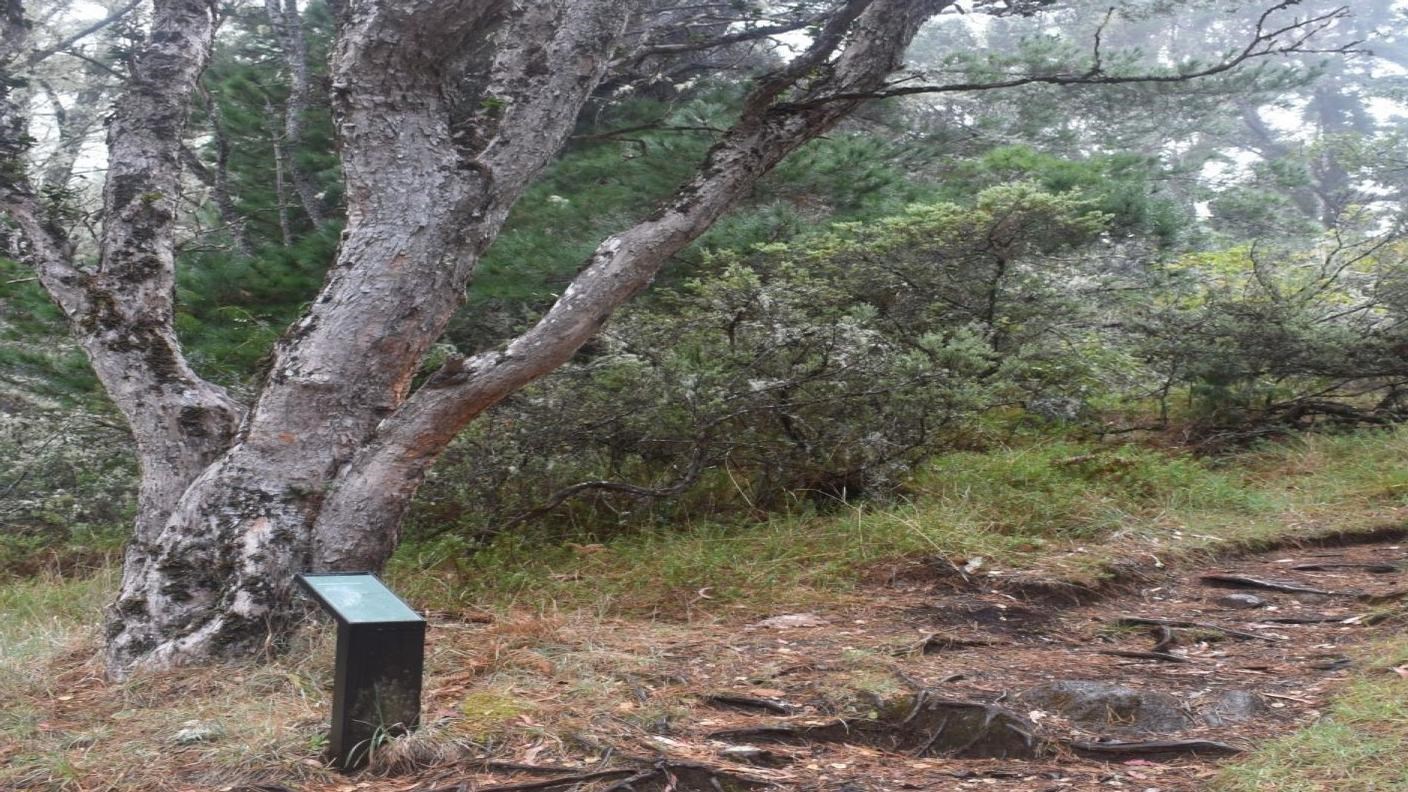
(193, 732)
(1239, 601)
(1104, 705)
(1232, 706)
(792, 620)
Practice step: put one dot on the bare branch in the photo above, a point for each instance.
(1264, 43)
(63, 44)
(738, 37)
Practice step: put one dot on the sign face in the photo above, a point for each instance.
(358, 599)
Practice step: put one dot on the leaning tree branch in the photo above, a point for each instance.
(875, 34)
(1289, 39)
(64, 43)
(739, 37)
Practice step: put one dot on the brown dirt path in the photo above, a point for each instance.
(850, 681)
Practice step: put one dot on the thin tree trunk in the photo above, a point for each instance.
(74, 127)
(280, 193)
(122, 310)
(218, 178)
(288, 24)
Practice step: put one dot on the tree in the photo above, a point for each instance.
(445, 111)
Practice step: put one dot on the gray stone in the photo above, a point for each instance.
(1239, 601)
(193, 732)
(1232, 706)
(1108, 706)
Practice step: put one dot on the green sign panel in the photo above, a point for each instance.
(359, 599)
(380, 661)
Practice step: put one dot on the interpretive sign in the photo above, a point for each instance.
(380, 660)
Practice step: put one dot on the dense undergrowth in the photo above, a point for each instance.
(1065, 506)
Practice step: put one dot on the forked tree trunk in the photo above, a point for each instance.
(322, 467)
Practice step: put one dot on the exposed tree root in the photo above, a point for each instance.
(1139, 621)
(1242, 581)
(1373, 569)
(659, 775)
(749, 703)
(1164, 657)
(1130, 750)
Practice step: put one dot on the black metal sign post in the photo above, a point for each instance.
(380, 660)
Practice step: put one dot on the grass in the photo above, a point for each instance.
(1357, 745)
(1055, 508)
(63, 727)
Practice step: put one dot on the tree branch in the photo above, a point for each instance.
(1264, 43)
(68, 41)
(875, 32)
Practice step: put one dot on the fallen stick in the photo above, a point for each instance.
(1139, 621)
(1154, 747)
(1305, 619)
(520, 767)
(1374, 569)
(1165, 657)
(1242, 581)
(549, 783)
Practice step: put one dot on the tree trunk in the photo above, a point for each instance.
(217, 179)
(288, 24)
(334, 448)
(323, 466)
(420, 211)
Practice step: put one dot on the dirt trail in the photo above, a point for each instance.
(881, 697)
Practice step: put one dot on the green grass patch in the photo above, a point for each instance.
(1068, 507)
(40, 616)
(1358, 744)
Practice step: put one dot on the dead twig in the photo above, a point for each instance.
(1154, 747)
(1242, 581)
(1165, 657)
(1139, 621)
